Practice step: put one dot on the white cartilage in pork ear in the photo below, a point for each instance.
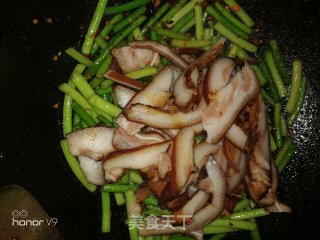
(92, 170)
(93, 142)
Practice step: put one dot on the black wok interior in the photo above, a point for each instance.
(30, 128)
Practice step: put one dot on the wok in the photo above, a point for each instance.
(30, 128)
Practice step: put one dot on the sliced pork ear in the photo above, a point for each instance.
(197, 201)
(157, 93)
(177, 203)
(217, 188)
(226, 104)
(156, 184)
(131, 59)
(137, 158)
(163, 50)
(218, 76)
(186, 88)
(272, 194)
(124, 80)
(161, 132)
(234, 163)
(188, 58)
(92, 169)
(159, 119)
(122, 140)
(270, 198)
(218, 191)
(182, 162)
(205, 60)
(171, 132)
(229, 203)
(129, 126)
(259, 172)
(237, 136)
(202, 151)
(279, 207)
(189, 51)
(93, 142)
(123, 95)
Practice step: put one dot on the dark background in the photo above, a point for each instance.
(30, 127)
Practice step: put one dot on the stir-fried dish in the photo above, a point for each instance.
(171, 111)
